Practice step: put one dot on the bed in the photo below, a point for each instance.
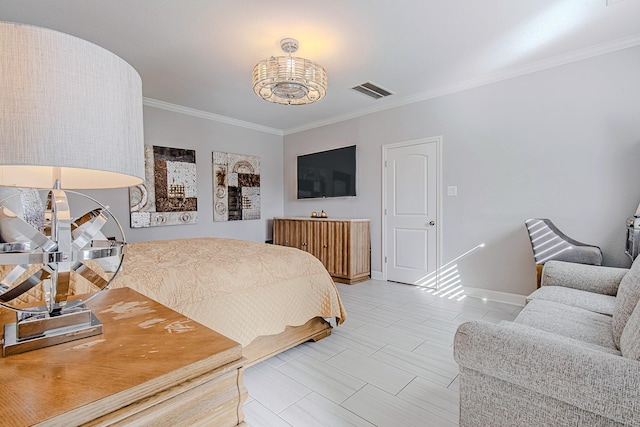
(267, 298)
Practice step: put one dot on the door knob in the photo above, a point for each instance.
(431, 223)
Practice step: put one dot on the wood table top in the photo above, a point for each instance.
(145, 346)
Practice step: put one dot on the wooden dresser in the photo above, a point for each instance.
(151, 366)
(342, 245)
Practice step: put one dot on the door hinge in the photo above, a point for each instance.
(385, 260)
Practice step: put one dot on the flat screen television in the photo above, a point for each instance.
(330, 173)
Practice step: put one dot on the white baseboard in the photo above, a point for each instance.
(490, 295)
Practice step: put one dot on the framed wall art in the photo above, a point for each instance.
(236, 187)
(169, 194)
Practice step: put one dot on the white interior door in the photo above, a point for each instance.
(411, 211)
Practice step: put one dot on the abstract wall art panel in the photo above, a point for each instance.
(236, 187)
(169, 194)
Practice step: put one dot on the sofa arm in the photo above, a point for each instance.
(591, 278)
(548, 364)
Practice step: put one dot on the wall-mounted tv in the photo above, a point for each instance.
(330, 173)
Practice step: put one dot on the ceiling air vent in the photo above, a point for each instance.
(372, 90)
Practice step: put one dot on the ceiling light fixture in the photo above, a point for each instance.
(288, 79)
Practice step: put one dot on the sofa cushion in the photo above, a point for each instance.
(597, 303)
(630, 338)
(592, 278)
(568, 321)
(626, 300)
(544, 335)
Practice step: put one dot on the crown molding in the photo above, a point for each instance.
(150, 102)
(575, 56)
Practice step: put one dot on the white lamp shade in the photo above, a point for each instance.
(69, 110)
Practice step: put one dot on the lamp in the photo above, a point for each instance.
(70, 118)
(288, 79)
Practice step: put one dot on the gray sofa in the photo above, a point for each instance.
(570, 358)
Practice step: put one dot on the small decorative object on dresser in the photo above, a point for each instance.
(342, 245)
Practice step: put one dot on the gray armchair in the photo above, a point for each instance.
(549, 243)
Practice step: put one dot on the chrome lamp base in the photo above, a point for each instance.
(45, 330)
(41, 270)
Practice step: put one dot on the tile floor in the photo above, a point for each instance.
(390, 364)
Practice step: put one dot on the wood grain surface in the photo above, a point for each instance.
(342, 245)
(147, 357)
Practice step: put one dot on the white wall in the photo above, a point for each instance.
(170, 129)
(563, 143)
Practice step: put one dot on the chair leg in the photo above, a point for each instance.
(539, 273)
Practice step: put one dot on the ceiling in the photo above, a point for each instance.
(196, 56)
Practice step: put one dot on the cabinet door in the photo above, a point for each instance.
(333, 247)
(315, 231)
(348, 255)
(292, 233)
(321, 236)
(359, 251)
(342, 248)
(281, 232)
(278, 232)
(301, 234)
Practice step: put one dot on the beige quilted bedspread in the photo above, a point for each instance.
(240, 289)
